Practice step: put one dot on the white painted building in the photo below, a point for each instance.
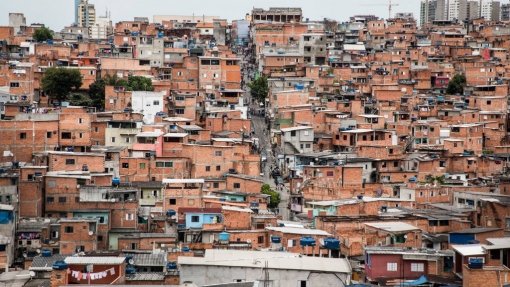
(148, 103)
(102, 27)
(278, 269)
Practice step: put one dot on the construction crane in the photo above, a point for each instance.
(390, 6)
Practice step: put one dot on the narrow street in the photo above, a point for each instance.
(261, 131)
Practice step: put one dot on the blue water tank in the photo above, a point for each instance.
(116, 181)
(130, 270)
(332, 243)
(413, 179)
(185, 249)
(224, 236)
(49, 42)
(171, 213)
(299, 87)
(60, 265)
(171, 265)
(276, 239)
(307, 241)
(161, 34)
(475, 263)
(46, 253)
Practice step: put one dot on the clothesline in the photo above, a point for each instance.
(92, 276)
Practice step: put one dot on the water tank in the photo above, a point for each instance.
(413, 179)
(46, 253)
(224, 236)
(307, 241)
(130, 270)
(276, 239)
(116, 181)
(185, 249)
(171, 266)
(299, 87)
(171, 213)
(475, 263)
(60, 265)
(332, 243)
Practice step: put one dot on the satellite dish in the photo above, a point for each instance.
(131, 261)
(38, 251)
(152, 215)
(91, 233)
(25, 255)
(32, 273)
(248, 241)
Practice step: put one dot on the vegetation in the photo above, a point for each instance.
(435, 179)
(275, 196)
(42, 34)
(134, 83)
(138, 83)
(456, 85)
(59, 82)
(259, 88)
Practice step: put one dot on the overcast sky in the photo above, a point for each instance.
(58, 13)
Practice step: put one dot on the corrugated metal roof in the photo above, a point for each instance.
(105, 260)
(146, 276)
(296, 230)
(40, 263)
(149, 259)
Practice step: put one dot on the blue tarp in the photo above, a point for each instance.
(420, 281)
(5, 216)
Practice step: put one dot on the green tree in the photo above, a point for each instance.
(139, 83)
(42, 34)
(80, 100)
(259, 88)
(456, 85)
(274, 196)
(59, 82)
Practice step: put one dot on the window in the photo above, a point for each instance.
(48, 135)
(218, 168)
(130, 216)
(22, 136)
(156, 103)
(216, 185)
(417, 267)
(66, 136)
(50, 199)
(237, 185)
(207, 168)
(218, 153)
(134, 246)
(62, 199)
(80, 121)
(69, 229)
(260, 239)
(293, 133)
(172, 201)
(329, 173)
(70, 161)
(99, 238)
(128, 140)
(142, 165)
(195, 218)
(113, 139)
(302, 283)
(495, 254)
(14, 85)
(391, 266)
(125, 165)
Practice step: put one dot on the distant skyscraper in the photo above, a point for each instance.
(433, 10)
(76, 10)
(490, 10)
(86, 14)
(505, 12)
